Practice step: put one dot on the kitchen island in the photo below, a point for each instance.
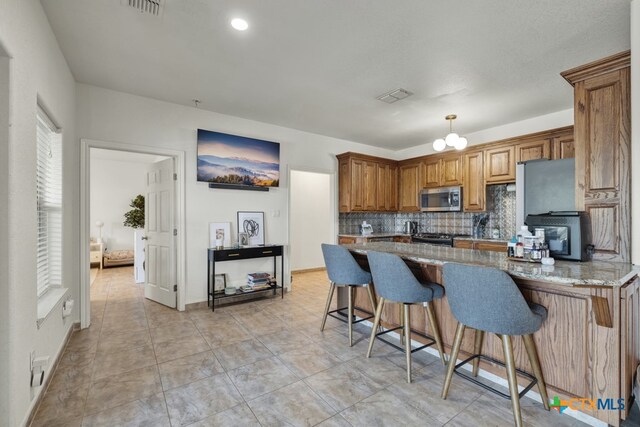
(589, 345)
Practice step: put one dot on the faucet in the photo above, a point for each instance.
(479, 223)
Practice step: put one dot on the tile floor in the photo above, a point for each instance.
(261, 363)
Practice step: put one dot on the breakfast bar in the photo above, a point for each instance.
(588, 346)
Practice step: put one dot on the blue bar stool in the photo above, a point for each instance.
(488, 300)
(395, 282)
(343, 270)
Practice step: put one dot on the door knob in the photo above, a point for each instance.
(144, 238)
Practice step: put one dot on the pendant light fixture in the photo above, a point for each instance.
(452, 139)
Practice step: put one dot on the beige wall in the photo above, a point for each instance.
(635, 131)
(4, 230)
(108, 115)
(312, 218)
(39, 73)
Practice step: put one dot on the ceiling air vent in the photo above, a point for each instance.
(150, 7)
(394, 95)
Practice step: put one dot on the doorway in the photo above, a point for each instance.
(132, 215)
(312, 218)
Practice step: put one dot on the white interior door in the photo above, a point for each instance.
(159, 226)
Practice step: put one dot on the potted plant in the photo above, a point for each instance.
(135, 219)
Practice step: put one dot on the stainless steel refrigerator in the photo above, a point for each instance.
(543, 186)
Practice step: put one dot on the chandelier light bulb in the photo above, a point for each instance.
(439, 144)
(461, 143)
(451, 139)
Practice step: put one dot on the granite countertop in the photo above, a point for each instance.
(592, 273)
(482, 239)
(374, 235)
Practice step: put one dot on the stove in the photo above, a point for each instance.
(442, 239)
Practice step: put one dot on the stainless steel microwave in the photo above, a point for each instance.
(447, 199)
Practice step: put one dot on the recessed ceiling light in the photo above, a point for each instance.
(239, 24)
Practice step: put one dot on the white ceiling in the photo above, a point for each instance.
(318, 65)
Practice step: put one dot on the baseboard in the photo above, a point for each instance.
(196, 306)
(34, 408)
(308, 270)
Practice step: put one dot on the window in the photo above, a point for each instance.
(49, 198)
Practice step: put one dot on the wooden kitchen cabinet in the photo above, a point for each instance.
(533, 150)
(367, 183)
(451, 171)
(463, 244)
(387, 192)
(431, 172)
(342, 240)
(474, 191)
(563, 147)
(602, 131)
(441, 171)
(481, 245)
(490, 246)
(409, 187)
(357, 185)
(391, 203)
(500, 164)
(370, 186)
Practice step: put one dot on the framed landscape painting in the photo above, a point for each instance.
(237, 161)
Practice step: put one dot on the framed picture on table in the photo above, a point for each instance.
(220, 282)
(252, 224)
(219, 231)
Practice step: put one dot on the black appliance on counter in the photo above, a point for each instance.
(442, 239)
(567, 233)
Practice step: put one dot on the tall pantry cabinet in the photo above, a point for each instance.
(602, 131)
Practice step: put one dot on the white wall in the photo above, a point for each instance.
(38, 72)
(635, 136)
(113, 184)
(312, 218)
(4, 230)
(523, 127)
(114, 116)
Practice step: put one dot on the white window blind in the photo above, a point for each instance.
(49, 197)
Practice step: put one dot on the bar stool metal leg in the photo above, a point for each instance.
(327, 307)
(511, 377)
(477, 347)
(407, 337)
(376, 324)
(350, 313)
(435, 329)
(452, 359)
(530, 346)
(401, 321)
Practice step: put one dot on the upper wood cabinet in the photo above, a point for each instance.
(370, 186)
(431, 172)
(500, 164)
(474, 191)
(387, 192)
(375, 184)
(563, 146)
(366, 183)
(533, 150)
(602, 113)
(441, 171)
(409, 187)
(451, 170)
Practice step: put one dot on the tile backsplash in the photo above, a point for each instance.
(501, 207)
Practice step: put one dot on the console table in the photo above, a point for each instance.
(236, 254)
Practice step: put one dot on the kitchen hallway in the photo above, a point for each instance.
(263, 362)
